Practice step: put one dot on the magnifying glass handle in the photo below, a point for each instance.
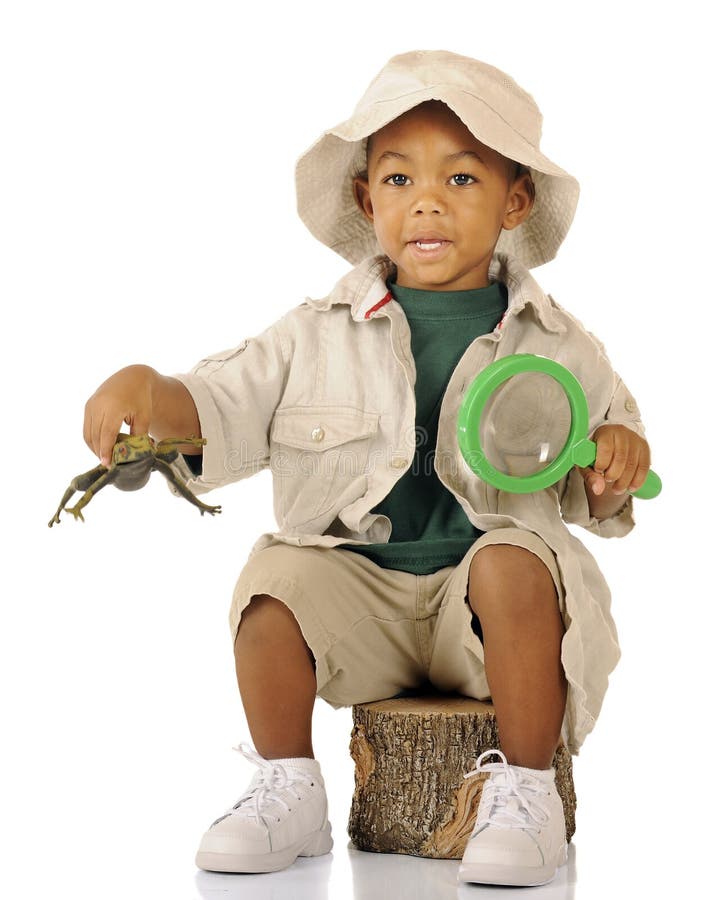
(650, 488)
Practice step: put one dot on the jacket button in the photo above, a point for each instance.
(630, 406)
(317, 434)
(399, 463)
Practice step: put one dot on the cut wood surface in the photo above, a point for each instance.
(410, 756)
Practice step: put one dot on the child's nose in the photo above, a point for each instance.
(427, 200)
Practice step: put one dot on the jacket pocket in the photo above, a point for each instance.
(318, 457)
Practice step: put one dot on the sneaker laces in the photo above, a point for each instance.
(265, 787)
(511, 797)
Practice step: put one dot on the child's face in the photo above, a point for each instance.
(462, 203)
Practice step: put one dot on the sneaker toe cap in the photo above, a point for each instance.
(504, 847)
(231, 832)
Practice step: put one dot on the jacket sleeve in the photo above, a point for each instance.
(236, 393)
(610, 403)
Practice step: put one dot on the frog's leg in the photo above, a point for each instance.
(167, 471)
(107, 477)
(166, 445)
(81, 483)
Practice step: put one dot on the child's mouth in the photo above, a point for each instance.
(428, 249)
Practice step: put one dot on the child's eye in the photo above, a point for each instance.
(463, 175)
(392, 178)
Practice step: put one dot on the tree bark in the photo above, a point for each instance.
(410, 756)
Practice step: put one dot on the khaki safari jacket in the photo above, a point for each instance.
(325, 398)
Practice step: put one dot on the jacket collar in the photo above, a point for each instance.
(364, 288)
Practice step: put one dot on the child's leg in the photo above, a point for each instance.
(276, 676)
(513, 595)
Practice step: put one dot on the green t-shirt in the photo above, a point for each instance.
(430, 529)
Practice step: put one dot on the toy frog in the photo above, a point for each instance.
(134, 457)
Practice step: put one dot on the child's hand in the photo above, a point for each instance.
(622, 461)
(125, 397)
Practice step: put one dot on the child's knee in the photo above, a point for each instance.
(260, 610)
(505, 571)
(268, 619)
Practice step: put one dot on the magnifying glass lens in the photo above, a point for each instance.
(525, 424)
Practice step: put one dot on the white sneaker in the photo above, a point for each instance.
(519, 834)
(281, 815)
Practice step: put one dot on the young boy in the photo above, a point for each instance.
(394, 564)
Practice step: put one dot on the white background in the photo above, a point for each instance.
(147, 214)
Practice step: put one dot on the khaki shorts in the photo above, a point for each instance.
(377, 632)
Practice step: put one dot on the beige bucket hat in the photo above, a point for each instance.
(496, 110)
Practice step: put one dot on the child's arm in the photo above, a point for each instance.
(236, 393)
(614, 417)
(146, 401)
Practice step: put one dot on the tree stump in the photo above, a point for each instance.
(410, 756)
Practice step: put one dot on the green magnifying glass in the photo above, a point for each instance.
(523, 424)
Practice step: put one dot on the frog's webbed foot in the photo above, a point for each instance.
(184, 491)
(56, 518)
(93, 485)
(75, 510)
(80, 483)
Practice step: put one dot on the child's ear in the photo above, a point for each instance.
(361, 192)
(520, 202)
